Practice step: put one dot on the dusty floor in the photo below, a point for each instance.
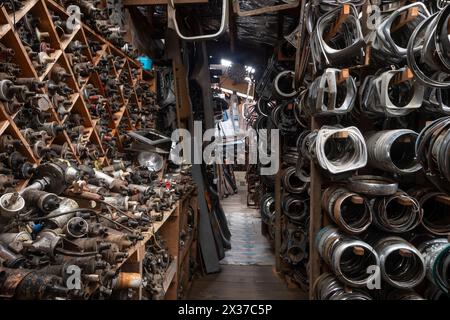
(248, 268)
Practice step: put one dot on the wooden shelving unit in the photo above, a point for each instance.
(62, 57)
(96, 129)
(169, 229)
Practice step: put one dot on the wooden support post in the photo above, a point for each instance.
(278, 226)
(341, 135)
(343, 15)
(405, 75)
(404, 201)
(359, 251)
(405, 253)
(357, 199)
(404, 18)
(315, 220)
(343, 76)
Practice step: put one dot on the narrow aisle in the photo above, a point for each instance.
(248, 270)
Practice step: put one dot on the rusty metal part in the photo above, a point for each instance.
(46, 242)
(76, 227)
(11, 204)
(126, 280)
(26, 284)
(372, 185)
(40, 199)
(349, 210)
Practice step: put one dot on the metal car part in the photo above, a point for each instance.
(393, 151)
(435, 211)
(401, 264)
(292, 182)
(384, 43)
(350, 211)
(323, 97)
(328, 287)
(372, 185)
(398, 213)
(284, 84)
(11, 204)
(343, 155)
(295, 208)
(323, 53)
(436, 253)
(377, 95)
(432, 149)
(347, 256)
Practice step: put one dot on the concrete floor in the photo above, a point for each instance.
(248, 268)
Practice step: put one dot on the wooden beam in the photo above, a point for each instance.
(278, 222)
(404, 76)
(315, 218)
(341, 135)
(357, 199)
(158, 2)
(343, 76)
(343, 15)
(359, 251)
(404, 18)
(405, 201)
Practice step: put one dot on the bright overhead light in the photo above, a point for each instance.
(226, 63)
(250, 69)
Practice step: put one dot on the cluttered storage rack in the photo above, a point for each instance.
(361, 195)
(88, 93)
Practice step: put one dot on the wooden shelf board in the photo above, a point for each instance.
(19, 14)
(149, 234)
(170, 274)
(187, 248)
(3, 125)
(65, 42)
(4, 28)
(55, 55)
